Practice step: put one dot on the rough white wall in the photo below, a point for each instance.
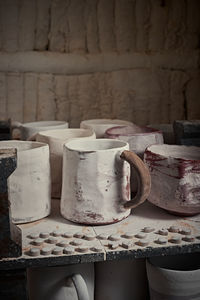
(79, 59)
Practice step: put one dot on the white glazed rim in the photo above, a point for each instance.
(21, 146)
(80, 145)
(180, 151)
(105, 121)
(67, 133)
(152, 131)
(43, 123)
(151, 262)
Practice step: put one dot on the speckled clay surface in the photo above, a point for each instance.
(175, 176)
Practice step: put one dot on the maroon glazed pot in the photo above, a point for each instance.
(175, 178)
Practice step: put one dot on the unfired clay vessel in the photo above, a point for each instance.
(174, 277)
(175, 178)
(56, 139)
(96, 181)
(29, 185)
(138, 139)
(72, 282)
(28, 130)
(101, 125)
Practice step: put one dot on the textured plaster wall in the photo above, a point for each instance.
(78, 59)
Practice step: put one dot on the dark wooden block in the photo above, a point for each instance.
(187, 132)
(10, 237)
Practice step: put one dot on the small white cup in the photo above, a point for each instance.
(28, 130)
(101, 125)
(29, 186)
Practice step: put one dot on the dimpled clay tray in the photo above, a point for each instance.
(148, 231)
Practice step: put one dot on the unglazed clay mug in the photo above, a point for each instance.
(175, 277)
(138, 139)
(28, 130)
(175, 178)
(56, 139)
(101, 125)
(96, 181)
(72, 282)
(29, 186)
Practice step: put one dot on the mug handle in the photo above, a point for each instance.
(80, 286)
(143, 177)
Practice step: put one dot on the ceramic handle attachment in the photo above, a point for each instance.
(80, 286)
(143, 177)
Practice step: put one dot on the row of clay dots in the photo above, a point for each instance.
(38, 240)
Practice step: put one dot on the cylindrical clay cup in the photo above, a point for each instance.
(138, 138)
(29, 185)
(175, 178)
(28, 130)
(56, 139)
(96, 181)
(101, 125)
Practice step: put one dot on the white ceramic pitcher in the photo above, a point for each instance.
(96, 181)
(56, 139)
(28, 130)
(29, 186)
(72, 282)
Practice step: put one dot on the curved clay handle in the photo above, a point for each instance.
(143, 176)
(80, 286)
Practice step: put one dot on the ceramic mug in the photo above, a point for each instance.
(29, 186)
(56, 139)
(174, 277)
(121, 280)
(175, 178)
(72, 282)
(101, 125)
(28, 130)
(138, 139)
(96, 181)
